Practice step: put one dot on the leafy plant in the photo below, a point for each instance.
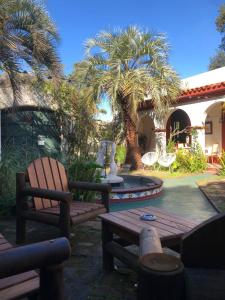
(82, 170)
(124, 65)
(121, 152)
(170, 147)
(28, 37)
(12, 161)
(222, 163)
(190, 161)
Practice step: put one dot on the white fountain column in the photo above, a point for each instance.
(113, 165)
(101, 157)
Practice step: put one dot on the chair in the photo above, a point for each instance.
(149, 158)
(166, 160)
(46, 182)
(202, 265)
(212, 153)
(202, 253)
(17, 276)
(215, 152)
(180, 146)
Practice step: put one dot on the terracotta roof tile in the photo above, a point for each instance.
(200, 92)
(203, 92)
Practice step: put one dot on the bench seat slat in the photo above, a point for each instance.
(5, 246)
(19, 290)
(76, 208)
(17, 285)
(15, 279)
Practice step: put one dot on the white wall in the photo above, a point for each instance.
(197, 112)
(213, 115)
(211, 77)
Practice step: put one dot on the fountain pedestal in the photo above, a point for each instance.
(112, 177)
(114, 180)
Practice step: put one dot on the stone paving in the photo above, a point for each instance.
(215, 193)
(84, 277)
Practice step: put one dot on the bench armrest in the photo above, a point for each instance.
(34, 256)
(105, 189)
(90, 186)
(47, 194)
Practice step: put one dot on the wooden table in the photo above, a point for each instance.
(126, 225)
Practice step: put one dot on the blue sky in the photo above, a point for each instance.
(189, 26)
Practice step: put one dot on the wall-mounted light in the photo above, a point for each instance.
(41, 140)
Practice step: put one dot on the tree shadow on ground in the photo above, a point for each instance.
(84, 276)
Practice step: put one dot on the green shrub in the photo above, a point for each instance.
(13, 160)
(120, 156)
(170, 147)
(190, 161)
(222, 163)
(83, 170)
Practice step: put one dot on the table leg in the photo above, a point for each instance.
(107, 236)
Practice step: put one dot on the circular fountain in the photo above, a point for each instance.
(136, 188)
(125, 188)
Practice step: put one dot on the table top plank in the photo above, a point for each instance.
(142, 224)
(167, 220)
(168, 225)
(160, 223)
(165, 229)
(173, 217)
(108, 217)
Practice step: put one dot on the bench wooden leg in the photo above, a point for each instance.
(107, 236)
(33, 297)
(64, 222)
(20, 230)
(51, 282)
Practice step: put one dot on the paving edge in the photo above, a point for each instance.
(208, 198)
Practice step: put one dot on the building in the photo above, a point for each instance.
(200, 106)
(31, 126)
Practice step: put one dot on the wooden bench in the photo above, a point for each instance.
(197, 272)
(203, 258)
(52, 203)
(17, 276)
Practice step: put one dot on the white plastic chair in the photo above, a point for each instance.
(149, 158)
(166, 160)
(212, 153)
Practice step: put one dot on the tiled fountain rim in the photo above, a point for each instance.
(158, 183)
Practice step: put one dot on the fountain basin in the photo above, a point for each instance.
(136, 188)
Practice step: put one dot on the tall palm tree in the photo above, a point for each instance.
(129, 65)
(28, 37)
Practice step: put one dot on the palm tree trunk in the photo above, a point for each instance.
(13, 77)
(133, 156)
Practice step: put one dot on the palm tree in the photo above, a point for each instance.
(129, 65)
(28, 37)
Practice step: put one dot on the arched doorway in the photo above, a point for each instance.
(178, 121)
(146, 134)
(215, 126)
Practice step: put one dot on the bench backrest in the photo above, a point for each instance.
(204, 246)
(47, 173)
